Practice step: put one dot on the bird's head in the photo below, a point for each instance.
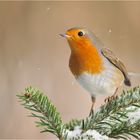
(79, 38)
(84, 52)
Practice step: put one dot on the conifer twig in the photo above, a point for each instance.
(50, 119)
(118, 118)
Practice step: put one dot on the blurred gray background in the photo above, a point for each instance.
(32, 53)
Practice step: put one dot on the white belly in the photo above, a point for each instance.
(104, 83)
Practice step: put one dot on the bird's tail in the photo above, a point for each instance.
(127, 79)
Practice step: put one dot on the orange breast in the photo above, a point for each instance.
(86, 60)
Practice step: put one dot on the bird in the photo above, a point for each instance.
(96, 68)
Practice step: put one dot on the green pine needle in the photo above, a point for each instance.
(111, 119)
(50, 119)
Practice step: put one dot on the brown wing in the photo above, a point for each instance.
(117, 63)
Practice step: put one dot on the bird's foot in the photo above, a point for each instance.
(91, 110)
(110, 98)
(91, 113)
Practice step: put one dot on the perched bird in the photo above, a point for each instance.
(95, 67)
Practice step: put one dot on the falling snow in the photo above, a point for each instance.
(48, 8)
(73, 82)
(38, 68)
(109, 30)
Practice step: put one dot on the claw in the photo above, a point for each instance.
(91, 112)
(110, 98)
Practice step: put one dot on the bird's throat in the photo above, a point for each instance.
(86, 60)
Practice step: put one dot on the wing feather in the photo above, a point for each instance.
(117, 63)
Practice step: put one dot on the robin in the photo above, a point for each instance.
(95, 67)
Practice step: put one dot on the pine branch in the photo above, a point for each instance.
(112, 119)
(50, 119)
(118, 118)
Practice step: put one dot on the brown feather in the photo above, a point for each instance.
(117, 63)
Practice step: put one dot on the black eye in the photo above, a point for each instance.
(80, 33)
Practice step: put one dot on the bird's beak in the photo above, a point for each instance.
(64, 35)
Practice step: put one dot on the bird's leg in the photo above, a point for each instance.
(111, 97)
(93, 102)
